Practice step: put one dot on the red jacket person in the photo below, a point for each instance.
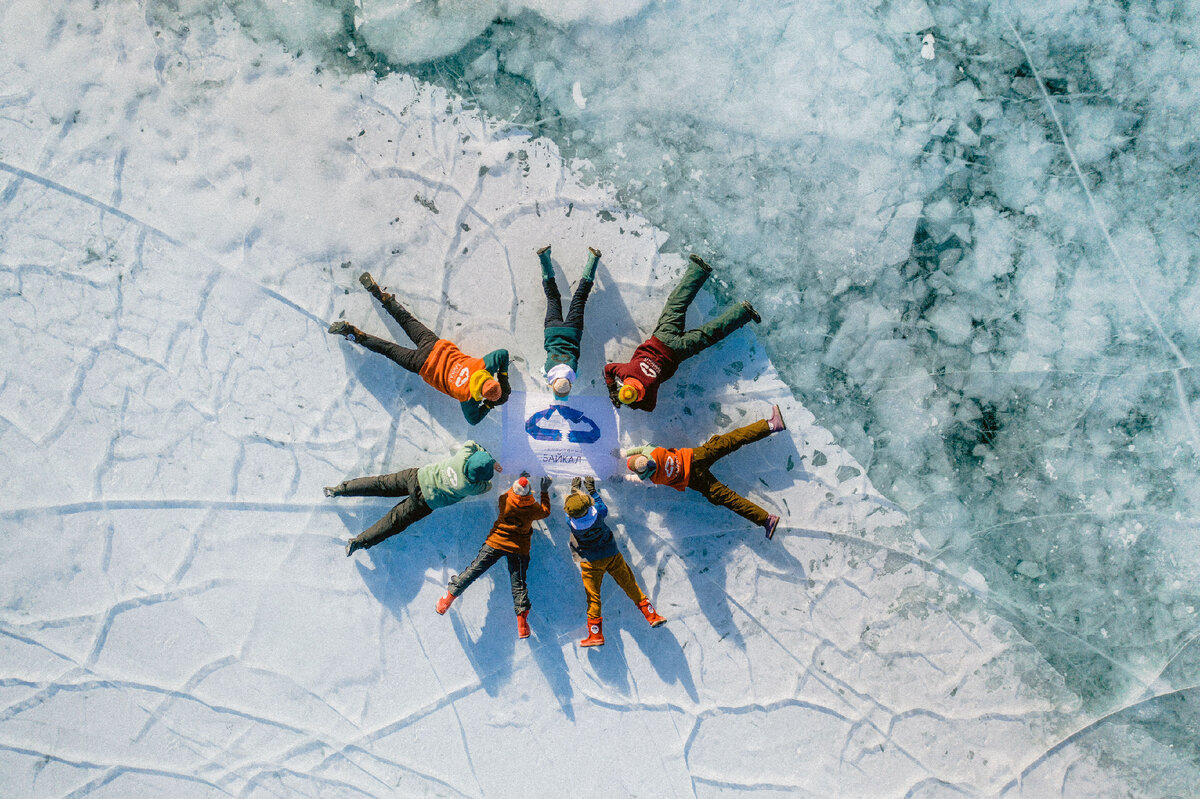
(636, 382)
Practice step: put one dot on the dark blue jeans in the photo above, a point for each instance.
(518, 565)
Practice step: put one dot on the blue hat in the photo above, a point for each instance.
(479, 467)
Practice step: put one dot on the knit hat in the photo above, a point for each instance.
(638, 464)
(560, 386)
(577, 505)
(521, 487)
(479, 467)
(491, 390)
(630, 391)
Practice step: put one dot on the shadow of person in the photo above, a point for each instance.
(392, 573)
(665, 654)
(492, 653)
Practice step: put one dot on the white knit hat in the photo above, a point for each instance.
(521, 487)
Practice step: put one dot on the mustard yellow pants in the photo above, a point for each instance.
(593, 575)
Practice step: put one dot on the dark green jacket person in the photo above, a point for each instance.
(562, 336)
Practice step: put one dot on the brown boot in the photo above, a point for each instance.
(372, 287)
(595, 633)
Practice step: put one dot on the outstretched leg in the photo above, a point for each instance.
(621, 572)
(670, 322)
(718, 493)
(486, 558)
(421, 335)
(518, 567)
(408, 358)
(398, 484)
(580, 297)
(719, 446)
(593, 572)
(708, 334)
(394, 521)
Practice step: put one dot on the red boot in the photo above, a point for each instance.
(444, 603)
(650, 613)
(595, 633)
(523, 624)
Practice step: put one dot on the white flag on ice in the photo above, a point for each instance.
(576, 437)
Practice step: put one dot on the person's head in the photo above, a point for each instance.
(561, 387)
(521, 487)
(630, 391)
(638, 464)
(491, 390)
(577, 505)
(480, 467)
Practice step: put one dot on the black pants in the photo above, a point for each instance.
(397, 484)
(518, 565)
(410, 358)
(554, 314)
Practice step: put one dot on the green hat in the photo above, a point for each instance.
(577, 505)
(479, 467)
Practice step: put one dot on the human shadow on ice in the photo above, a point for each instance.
(397, 566)
(704, 536)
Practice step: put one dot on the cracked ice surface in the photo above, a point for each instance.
(180, 219)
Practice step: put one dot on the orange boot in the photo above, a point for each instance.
(523, 624)
(444, 603)
(650, 613)
(595, 633)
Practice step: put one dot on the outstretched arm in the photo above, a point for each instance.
(612, 385)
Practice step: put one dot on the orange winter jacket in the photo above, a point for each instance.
(514, 526)
(449, 370)
(672, 467)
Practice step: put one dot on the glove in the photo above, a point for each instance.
(576, 484)
(524, 474)
(546, 483)
(589, 483)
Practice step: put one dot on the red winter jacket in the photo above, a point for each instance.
(652, 364)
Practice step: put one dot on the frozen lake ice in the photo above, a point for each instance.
(977, 273)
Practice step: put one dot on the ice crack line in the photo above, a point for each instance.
(78, 195)
(1154, 320)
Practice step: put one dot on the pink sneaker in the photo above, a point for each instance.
(776, 421)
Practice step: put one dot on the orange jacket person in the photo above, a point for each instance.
(687, 467)
(509, 538)
(479, 384)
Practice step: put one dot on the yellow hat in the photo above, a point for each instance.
(630, 391)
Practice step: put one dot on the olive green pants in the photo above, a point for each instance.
(687, 343)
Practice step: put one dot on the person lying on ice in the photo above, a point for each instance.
(562, 335)
(636, 382)
(689, 468)
(595, 549)
(480, 384)
(509, 538)
(464, 474)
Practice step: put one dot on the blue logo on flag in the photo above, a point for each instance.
(587, 435)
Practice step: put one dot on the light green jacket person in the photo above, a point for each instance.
(464, 474)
